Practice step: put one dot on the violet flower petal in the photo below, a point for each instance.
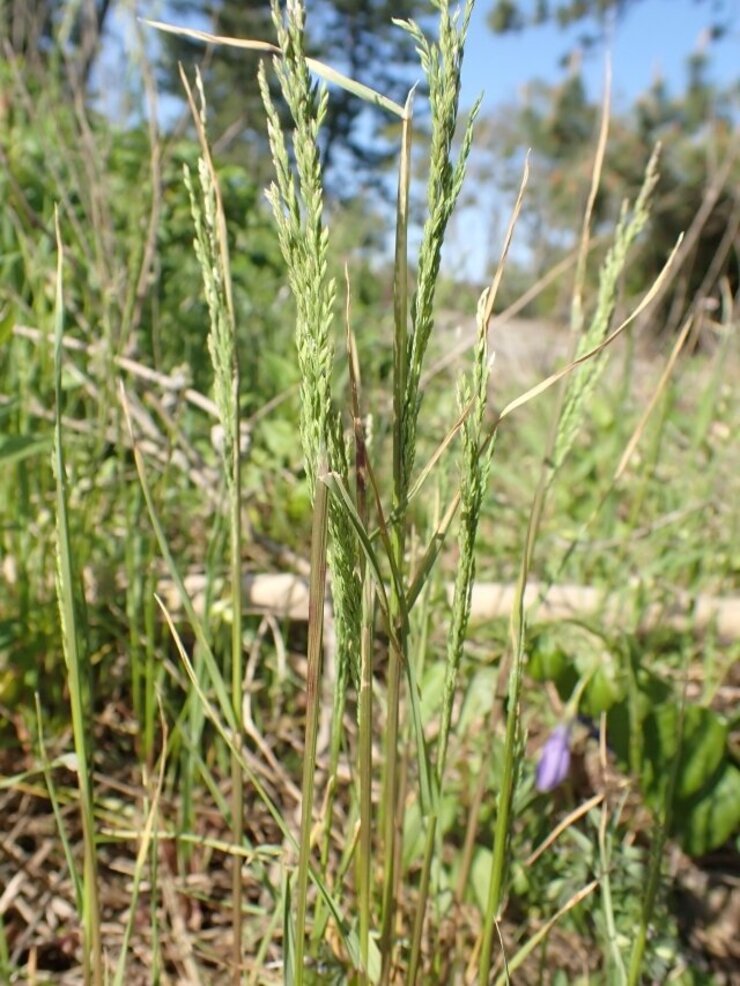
(554, 762)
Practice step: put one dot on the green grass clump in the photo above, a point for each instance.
(366, 775)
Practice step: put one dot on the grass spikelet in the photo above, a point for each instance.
(441, 62)
(583, 381)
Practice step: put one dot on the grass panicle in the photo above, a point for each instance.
(474, 472)
(397, 615)
(583, 381)
(297, 204)
(212, 251)
(441, 62)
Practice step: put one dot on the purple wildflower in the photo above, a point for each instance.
(554, 762)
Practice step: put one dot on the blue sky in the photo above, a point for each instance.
(654, 36)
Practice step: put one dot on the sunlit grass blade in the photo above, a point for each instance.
(147, 842)
(439, 452)
(325, 72)
(615, 962)
(5, 966)
(474, 472)
(569, 419)
(272, 800)
(214, 673)
(437, 542)
(662, 826)
(289, 939)
(658, 392)
(348, 936)
(282, 911)
(47, 768)
(336, 487)
(396, 614)
(517, 959)
(553, 378)
(75, 660)
(492, 295)
(365, 727)
(363, 476)
(584, 246)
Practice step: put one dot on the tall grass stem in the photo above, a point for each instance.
(76, 662)
(398, 616)
(317, 594)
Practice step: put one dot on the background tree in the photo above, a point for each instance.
(355, 36)
(28, 27)
(593, 15)
(697, 192)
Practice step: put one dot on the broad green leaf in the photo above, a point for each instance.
(552, 660)
(279, 437)
(710, 818)
(605, 688)
(548, 661)
(702, 747)
(651, 693)
(706, 805)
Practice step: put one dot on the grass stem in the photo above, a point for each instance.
(317, 594)
(77, 668)
(398, 612)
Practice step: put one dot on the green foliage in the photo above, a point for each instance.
(474, 474)
(119, 304)
(102, 222)
(692, 742)
(401, 864)
(212, 250)
(650, 732)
